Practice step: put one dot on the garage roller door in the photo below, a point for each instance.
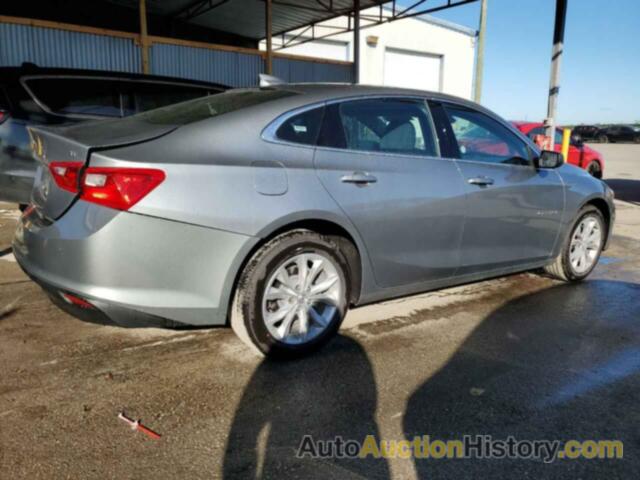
(403, 68)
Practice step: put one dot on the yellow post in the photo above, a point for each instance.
(566, 138)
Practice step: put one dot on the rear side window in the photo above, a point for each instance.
(302, 128)
(483, 139)
(143, 96)
(212, 106)
(388, 125)
(78, 96)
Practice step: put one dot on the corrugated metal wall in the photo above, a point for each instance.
(230, 68)
(48, 47)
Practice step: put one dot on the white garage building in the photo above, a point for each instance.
(419, 52)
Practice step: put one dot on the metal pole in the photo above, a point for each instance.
(477, 94)
(268, 25)
(356, 41)
(144, 41)
(556, 56)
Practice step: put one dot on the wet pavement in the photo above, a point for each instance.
(522, 356)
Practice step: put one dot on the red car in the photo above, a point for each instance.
(579, 154)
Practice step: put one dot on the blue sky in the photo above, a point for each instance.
(600, 74)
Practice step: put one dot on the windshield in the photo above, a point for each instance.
(211, 106)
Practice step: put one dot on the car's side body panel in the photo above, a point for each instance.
(411, 218)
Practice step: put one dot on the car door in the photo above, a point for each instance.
(378, 158)
(514, 210)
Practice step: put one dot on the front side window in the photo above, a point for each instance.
(302, 128)
(387, 125)
(483, 139)
(79, 96)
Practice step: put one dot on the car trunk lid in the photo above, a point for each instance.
(74, 145)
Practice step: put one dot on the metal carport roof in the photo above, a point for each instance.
(247, 17)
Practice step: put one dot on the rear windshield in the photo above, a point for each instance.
(207, 107)
(78, 95)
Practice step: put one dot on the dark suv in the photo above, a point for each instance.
(620, 133)
(587, 133)
(45, 96)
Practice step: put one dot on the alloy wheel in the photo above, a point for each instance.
(301, 298)
(586, 242)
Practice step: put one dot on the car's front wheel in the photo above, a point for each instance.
(292, 295)
(603, 139)
(582, 248)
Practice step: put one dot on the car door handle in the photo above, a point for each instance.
(481, 181)
(359, 178)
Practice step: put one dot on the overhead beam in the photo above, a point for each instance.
(197, 8)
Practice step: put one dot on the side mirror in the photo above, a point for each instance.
(549, 159)
(576, 141)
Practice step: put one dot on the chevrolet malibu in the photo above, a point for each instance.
(276, 209)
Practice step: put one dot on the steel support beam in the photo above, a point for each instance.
(144, 38)
(556, 57)
(356, 41)
(268, 59)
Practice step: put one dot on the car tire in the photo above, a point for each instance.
(282, 312)
(603, 139)
(570, 265)
(594, 169)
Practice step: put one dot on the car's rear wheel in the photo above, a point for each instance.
(603, 139)
(292, 295)
(582, 247)
(594, 169)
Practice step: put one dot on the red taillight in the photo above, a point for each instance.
(3, 115)
(119, 188)
(113, 187)
(66, 174)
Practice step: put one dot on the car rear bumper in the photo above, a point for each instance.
(134, 269)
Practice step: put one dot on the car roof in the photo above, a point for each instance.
(311, 93)
(345, 90)
(12, 74)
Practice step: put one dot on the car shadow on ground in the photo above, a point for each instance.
(625, 189)
(561, 364)
(329, 394)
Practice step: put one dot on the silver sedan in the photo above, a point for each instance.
(276, 209)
